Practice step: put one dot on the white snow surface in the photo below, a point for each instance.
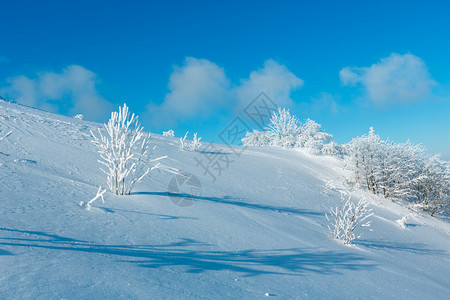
(258, 231)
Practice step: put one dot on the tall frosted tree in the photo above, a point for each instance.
(284, 127)
(312, 137)
(364, 158)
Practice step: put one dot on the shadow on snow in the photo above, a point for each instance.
(195, 257)
(416, 248)
(234, 201)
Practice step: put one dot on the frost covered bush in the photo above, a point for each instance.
(100, 193)
(333, 149)
(431, 185)
(183, 143)
(402, 222)
(400, 171)
(124, 151)
(285, 130)
(257, 138)
(312, 137)
(170, 133)
(348, 216)
(193, 146)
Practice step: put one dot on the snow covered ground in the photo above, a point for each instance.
(257, 231)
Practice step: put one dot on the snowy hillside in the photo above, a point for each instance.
(258, 230)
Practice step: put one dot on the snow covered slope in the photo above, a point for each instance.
(258, 231)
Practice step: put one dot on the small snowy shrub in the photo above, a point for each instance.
(123, 151)
(195, 144)
(170, 133)
(183, 143)
(348, 216)
(402, 222)
(100, 193)
(79, 117)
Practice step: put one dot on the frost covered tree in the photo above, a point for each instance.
(333, 149)
(381, 166)
(312, 137)
(364, 158)
(348, 216)
(400, 171)
(257, 138)
(398, 167)
(432, 185)
(284, 128)
(124, 151)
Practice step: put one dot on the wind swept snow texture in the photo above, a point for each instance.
(259, 229)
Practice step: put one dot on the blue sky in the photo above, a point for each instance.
(193, 65)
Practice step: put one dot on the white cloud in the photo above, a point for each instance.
(350, 76)
(196, 89)
(22, 89)
(72, 91)
(325, 102)
(274, 79)
(397, 78)
(200, 88)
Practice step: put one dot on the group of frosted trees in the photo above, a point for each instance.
(394, 171)
(400, 171)
(285, 130)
